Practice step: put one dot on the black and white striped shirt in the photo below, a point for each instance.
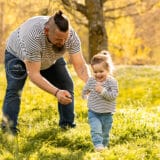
(104, 102)
(29, 42)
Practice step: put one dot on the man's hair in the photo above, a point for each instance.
(60, 20)
(103, 57)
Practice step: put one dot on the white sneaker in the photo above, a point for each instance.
(99, 148)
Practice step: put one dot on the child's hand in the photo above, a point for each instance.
(98, 87)
(85, 96)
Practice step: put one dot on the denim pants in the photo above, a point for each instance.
(100, 124)
(16, 76)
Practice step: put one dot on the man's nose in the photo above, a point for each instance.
(62, 42)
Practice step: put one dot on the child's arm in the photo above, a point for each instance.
(110, 92)
(86, 90)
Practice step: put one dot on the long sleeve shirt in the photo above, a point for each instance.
(104, 102)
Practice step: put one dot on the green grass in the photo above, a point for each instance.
(135, 134)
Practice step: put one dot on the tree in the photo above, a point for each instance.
(93, 11)
(99, 12)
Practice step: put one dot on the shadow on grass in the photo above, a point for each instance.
(56, 139)
(79, 155)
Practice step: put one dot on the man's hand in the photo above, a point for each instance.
(64, 97)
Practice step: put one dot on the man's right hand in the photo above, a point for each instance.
(64, 97)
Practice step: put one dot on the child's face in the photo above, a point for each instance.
(100, 73)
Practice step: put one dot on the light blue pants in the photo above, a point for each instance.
(100, 124)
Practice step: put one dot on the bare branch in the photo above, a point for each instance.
(75, 5)
(149, 8)
(81, 8)
(104, 1)
(121, 16)
(67, 3)
(119, 8)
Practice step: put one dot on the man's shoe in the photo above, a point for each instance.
(63, 127)
(11, 130)
(73, 125)
(14, 131)
(68, 126)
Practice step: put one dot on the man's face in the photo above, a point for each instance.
(57, 38)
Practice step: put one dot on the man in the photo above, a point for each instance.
(36, 49)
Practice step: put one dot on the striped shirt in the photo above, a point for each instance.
(104, 102)
(29, 42)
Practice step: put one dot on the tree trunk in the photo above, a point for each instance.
(98, 39)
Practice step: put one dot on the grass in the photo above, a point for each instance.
(135, 134)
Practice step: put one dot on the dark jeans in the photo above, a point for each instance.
(16, 76)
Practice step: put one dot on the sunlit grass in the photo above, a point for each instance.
(135, 134)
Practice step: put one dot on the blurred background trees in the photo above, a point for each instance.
(129, 29)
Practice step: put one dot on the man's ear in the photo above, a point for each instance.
(46, 30)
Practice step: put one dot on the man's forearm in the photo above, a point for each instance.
(43, 83)
(83, 72)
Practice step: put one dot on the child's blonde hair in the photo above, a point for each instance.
(103, 57)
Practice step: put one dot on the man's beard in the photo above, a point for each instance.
(57, 49)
